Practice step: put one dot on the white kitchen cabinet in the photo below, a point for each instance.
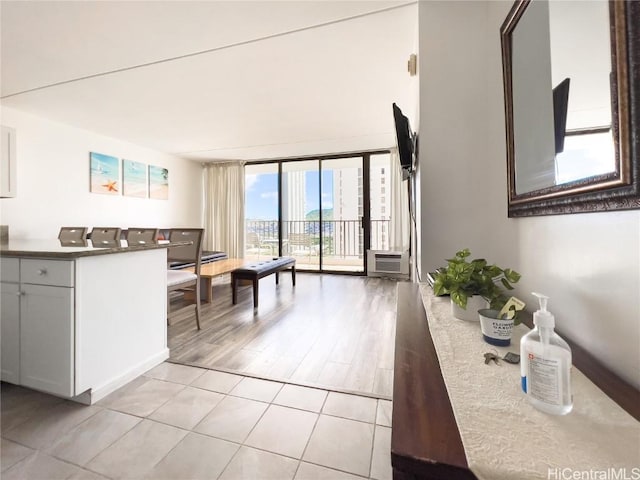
(10, 331)
(10, 319)
(47, 339)
(37, 324)
(8, 162)
(81, 324)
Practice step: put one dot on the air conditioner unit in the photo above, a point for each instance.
(382, 263)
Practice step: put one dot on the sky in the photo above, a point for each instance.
(262, 194)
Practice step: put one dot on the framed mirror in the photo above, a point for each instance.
(571, 71)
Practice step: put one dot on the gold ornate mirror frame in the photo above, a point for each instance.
(618, 190)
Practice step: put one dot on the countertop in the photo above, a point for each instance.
(53, 248)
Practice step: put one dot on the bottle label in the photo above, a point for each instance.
(543, 379)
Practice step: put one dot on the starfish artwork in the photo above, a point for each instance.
(111, 186)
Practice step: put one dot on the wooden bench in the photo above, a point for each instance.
(256, 271)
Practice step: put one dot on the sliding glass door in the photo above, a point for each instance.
(380, 204)
(261, 211)
(343, 220)
(325, 212)
(301, 211)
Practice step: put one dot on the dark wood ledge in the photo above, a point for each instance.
(425, 441)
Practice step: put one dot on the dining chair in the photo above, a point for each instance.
(141, 236)
(73, 235)
(105, 236)
(181, 280)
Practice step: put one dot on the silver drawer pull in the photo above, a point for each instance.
(42, 271)
(19, 294)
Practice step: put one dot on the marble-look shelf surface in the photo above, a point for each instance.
(53, 248)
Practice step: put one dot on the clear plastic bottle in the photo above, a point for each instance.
(546, 364)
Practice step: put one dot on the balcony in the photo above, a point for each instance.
(339, 243)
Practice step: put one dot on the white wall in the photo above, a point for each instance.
(53, 183)
(588, 263)
(463, 189)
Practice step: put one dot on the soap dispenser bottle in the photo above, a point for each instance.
(545, 363)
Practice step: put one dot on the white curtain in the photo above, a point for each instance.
(223, 210)
(399, 224)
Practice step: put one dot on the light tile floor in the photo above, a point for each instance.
(180, 422)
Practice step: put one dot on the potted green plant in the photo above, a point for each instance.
(473, 284)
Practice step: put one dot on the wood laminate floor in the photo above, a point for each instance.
(329, 331)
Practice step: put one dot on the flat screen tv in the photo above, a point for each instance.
(560, 102)
(404, 138)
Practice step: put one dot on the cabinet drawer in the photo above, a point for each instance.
(47, 272)
(9, 270)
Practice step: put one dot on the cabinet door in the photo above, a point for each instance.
(7, 162)
(47, 339)
(10, 332)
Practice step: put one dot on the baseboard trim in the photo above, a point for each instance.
(95, 394)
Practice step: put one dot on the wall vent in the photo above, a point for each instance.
(381, 263)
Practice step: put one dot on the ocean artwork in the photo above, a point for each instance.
(134, 179)
(158, 183)
(105, 174)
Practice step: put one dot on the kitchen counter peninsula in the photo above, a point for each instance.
(80, 321)
(48, 248)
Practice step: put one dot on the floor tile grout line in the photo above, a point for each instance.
(242, 443)
(357, 475)
(309, 440)
(170, 450)
(193, 429)
(261, 416)
(35, 452)
(51, 407)
(238, 444)
(312, 430)
(42, 452)
(373, 447)
(229, 461)
(349, 418)
(108, 446)
(21, 444)
(56, 401)
(142, 419)
(282, 380)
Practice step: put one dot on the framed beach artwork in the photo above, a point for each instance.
(105, 174)
(158, 183)
(134, 179)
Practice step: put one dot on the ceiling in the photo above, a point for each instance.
(214, 80)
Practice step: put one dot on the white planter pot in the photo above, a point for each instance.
(474, 303)
(494, 330)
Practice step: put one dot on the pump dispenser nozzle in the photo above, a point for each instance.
(542, 300)
(543, 318)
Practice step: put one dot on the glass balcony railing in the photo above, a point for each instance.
(340, 243)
